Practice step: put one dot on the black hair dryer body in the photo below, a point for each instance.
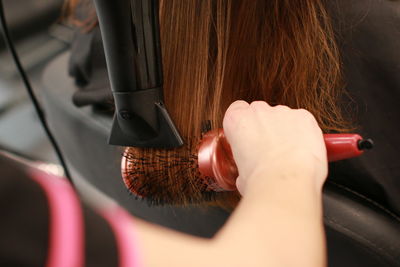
(131, 38)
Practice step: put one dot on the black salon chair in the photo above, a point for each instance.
(28, 17)
(360, 232)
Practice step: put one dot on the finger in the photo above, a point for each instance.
(281, 107)
(233, 112)
(259, 104)
(240, 186)
(238, 104)
(232, 117)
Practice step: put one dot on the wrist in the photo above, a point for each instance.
(301, 169)
(293, 194)
(278, 187)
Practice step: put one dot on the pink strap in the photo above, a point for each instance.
(121, 223)
(66, 244)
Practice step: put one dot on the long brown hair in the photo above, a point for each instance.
(219, 51)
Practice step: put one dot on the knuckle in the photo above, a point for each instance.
(238, 104)
(306, 115)
(236, 108)
(232, 117)
(259, 105)
(234, 113)
(282, 107)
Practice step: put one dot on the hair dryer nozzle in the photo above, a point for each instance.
(142, 121)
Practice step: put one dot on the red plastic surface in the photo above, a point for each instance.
(342, 146)
(216, 160)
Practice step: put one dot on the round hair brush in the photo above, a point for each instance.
(215, 157)
(205, 171)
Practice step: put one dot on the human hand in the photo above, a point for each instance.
(277, 141)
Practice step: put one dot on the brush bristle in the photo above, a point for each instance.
(169, 177)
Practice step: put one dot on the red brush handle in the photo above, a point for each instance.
(216, 160)
(342, 146)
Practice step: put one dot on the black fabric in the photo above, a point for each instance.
(101, 246)
(24, 220)
(368, 33)
(88, 66)
(24, 224)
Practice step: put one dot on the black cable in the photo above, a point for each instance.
(31, 94)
